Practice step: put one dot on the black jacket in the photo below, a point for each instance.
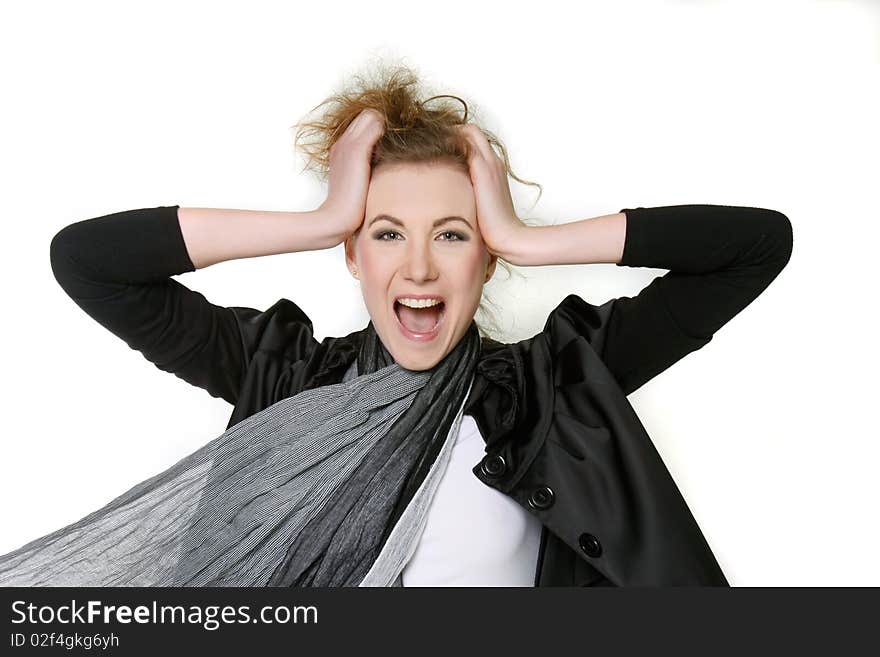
(561, 438)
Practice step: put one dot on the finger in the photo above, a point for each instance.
(473, 149)
(372, 123)
(483, 143)
(362, 118)
(478, 139)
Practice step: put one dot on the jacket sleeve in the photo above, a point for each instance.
(118, 269)
(720, 258)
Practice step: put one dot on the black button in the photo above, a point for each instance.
(541, 498)
(590, 544)
(493, 466)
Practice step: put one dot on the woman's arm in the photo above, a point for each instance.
(599, 239)
(720, 259)
(118, 269)
(214, 235)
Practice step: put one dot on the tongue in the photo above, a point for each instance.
(418, 320)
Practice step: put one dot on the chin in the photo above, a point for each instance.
(416, 364)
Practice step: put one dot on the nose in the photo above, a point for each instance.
(419, 266)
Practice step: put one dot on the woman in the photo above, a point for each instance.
(413, 452)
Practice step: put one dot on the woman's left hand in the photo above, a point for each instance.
(498, 223)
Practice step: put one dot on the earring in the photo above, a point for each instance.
(355, 272)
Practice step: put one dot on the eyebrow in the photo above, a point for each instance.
(395, 220)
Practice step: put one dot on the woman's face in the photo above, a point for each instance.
(402, 250)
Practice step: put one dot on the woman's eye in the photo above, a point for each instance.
(448, 236)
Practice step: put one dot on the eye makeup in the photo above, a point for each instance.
(459, 237)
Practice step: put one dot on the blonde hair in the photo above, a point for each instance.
(418, 129)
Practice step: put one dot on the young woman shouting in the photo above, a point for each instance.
(416, 451)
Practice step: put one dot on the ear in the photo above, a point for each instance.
(490, 267)
(350, 261)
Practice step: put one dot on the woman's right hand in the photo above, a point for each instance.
(349, 176)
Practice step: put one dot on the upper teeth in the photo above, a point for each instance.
(419, 303)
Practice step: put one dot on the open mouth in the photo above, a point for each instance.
(420, 324)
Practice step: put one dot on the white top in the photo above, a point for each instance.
(474, 535)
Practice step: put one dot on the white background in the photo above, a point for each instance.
(768, 430)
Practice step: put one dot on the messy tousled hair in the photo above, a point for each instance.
(419, 128)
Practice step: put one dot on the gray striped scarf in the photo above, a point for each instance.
(328, 487)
